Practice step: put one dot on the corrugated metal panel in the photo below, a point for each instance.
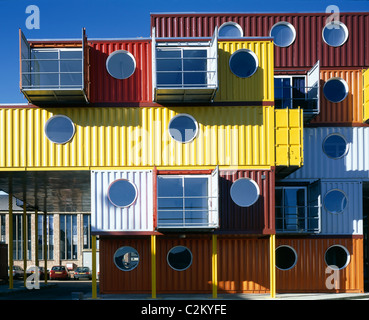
(350, 110)
(366, 95)
(195, 279)
(243, 265)
(119, 137)
(308, 47)
(113, 280)
(350, 221)
(105, 217)
(258, 87)
(317, 165)
(256, 219)
(309, 273)
(289, 137)
(105, 88)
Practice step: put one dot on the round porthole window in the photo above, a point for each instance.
(285, 257)
(183, 128)
(179, 258)
(121, 64)
(284, 34)
(243, 63)
(245, 192)
(337, 257)
(122, 193)
(335, 34)
(59, 129)
(126, 258)
(230, 30)
(336, 89)
(335, 201)
(335, 146)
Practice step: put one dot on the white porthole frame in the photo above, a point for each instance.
(331, 190)
(344, 28)
(257, 191)
(134, 250)
(131, 203)
(348, 260)
(252, 53)
(59, 116)
(295, 253)
(189, 116)
(343, 81)
(346, 150)
(118, 52)
(287, 24)
(190, 264)
(230, 23)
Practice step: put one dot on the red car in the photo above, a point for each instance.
(59, 273)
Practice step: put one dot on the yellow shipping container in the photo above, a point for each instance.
(240, 137)
(366, 95)
(258, 87)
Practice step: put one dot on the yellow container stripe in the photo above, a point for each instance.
(272, 266)
(289, 137)
(366, 95)
(214, 258)
(258, 87)
(153, 266)
(241, 136)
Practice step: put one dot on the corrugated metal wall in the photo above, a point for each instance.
(258, 87)
(113, 280)
(366, 95)
(307, 49)
(105, 217)
(350, 110)
(106, 89)
(256, 219)
(195, 279)
(309, 273)
(117, 137)
(243, 265)
(317, 165)
(350, 221)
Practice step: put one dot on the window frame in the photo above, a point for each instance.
(60, 116)
(348, 259)
(132, 251)
(189, 265)
(287, 24)
(346, 150)
(132, 202)
(345, 84)
(291, 77)
(252, 53)
(188, 116)
(295, 253)
(230, 23)
(345, 29)
(345, 197)
(114, 53)
(254, 184)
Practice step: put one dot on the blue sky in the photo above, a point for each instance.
(116, 19)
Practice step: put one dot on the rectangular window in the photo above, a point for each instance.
(87, 231)
(53, 69)
(290, 92)
(49, 236)
(18, 242)
(68, 236)
(2, 228)
(187, 201)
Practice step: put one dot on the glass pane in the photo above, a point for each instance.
(122, 193)
(285, 258)
(229, 31)
(335, 34)
(283, 92)
(298, 92)
(126, 258)
(121, 64)
(244, 192)
(335, 90)
(179, 258)
(45, 68)
(335, 201)
(71, 61)
(59, 129)
(334, 146)
(336, 257)
(243, 63)
(182, 128)
(283, 34)
(170, 187)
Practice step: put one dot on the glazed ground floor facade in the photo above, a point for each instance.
(230, 264)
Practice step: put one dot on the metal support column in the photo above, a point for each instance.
(36, 238)
(10, 241)
(94, 284)
(153, 266)
(24, 235)
(272, 266)
(214, 261)
(45, 244)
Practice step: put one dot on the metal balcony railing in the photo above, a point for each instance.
(298, 219)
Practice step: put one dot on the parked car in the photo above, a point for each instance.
(59, 272)
(18, 272)
(41, 272)
(82, 273)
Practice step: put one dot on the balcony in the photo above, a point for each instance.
(298, 210)
(187, 202)
(292, 91)
(53, 72)
(185, 70)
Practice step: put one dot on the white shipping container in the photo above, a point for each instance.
(354, 164)
(108, 217)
